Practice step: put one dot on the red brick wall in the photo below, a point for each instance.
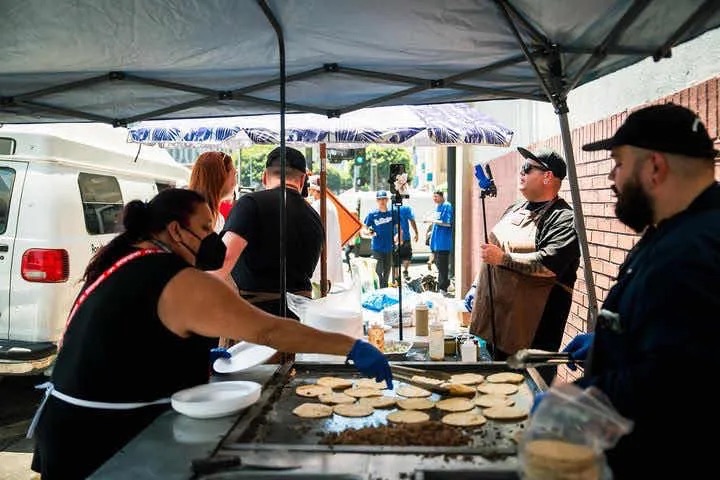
(608, 239)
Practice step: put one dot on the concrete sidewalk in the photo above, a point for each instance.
(16, 453)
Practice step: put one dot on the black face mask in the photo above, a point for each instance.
(211, 254)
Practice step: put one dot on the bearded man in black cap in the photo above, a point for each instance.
(532, 256)
(252, 236)
(657, 332)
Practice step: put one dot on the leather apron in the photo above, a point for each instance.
(519, 298)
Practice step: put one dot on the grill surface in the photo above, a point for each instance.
(271, 425)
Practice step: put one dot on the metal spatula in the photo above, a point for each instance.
(426, 379)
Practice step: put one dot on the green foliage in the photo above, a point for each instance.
(251, 163)
(381, 158)
(338, 179)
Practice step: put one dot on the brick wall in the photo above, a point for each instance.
(608, 239)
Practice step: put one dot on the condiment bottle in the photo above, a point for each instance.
(468, 350)
(437, 341)
(421, 319)
(376, 335)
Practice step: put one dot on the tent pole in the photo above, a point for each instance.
(323, 219)
(282, 190)
(579, 219)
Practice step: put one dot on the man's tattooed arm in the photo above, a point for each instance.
(527, 263)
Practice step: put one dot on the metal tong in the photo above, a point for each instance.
(534, 358)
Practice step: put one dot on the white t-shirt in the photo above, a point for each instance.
(334, 249)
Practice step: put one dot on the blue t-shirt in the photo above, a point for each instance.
(382, 223)
(406, 214)
(441, 239)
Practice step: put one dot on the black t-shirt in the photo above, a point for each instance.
(256, 218)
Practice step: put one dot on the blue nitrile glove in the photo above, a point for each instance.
(370, 361)
(536, 401)
(470, 298)
(578, 348)
(218, 352)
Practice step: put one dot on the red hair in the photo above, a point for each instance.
(209, 175)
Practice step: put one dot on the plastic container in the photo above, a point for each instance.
(437, 341)
(468, 350)
(421, 319)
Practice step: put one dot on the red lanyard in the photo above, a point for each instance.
(85, 293)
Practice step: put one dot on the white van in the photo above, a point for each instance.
(421, 202)
(62, 189)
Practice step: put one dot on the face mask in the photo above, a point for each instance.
(211, 254)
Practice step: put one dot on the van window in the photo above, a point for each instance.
(102, 203)
(163, 186)
(7, 179)
(7, 146)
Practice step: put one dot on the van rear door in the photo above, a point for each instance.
(12, 178)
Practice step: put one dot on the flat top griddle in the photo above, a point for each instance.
(271, 425)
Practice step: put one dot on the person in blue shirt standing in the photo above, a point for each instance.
(379, 226)
(441, 239)
(407, 220)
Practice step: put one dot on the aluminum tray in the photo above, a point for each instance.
(271, 425)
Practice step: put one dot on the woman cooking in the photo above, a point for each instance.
(141, 328)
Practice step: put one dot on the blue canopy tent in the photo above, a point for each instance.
(123, 62)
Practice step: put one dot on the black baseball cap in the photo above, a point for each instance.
(548, 159)
(293, 159)
(667, 128)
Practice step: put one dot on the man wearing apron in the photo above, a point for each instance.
(252, 236)
(533, 257)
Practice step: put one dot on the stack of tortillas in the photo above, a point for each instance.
(548, 459)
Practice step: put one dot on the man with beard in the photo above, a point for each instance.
(656, 335)
(531, 262)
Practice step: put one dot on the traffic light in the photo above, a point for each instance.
(359, 160)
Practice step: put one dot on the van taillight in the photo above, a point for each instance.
(45, 265)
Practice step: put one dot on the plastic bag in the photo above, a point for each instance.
(337, 312)
(391, 314)
(568, 434)
(364, 274)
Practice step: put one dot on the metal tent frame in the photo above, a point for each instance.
(562, 44)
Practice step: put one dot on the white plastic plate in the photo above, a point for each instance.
(213, 400)
(244, 356)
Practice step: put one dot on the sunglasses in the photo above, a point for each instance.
(528, 167)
